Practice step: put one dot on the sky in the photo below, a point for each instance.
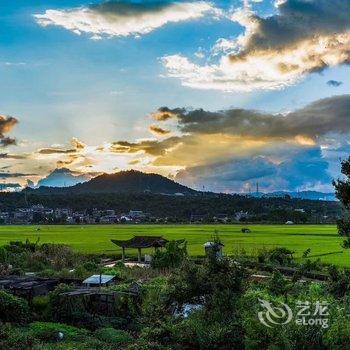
(217, 95)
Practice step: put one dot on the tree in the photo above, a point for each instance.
(342, 191)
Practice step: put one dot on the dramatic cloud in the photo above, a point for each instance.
(242, 174)
(8, 175)
(67, 161)
(77, 147)
(151, 147)
(6, 125)
(165, 113)
(158, 130)
(227, 149)
(124, 18)
(316, 119)
(334, 83)
(55, 151)
(77, 144)
(304, 36)
(13, 156)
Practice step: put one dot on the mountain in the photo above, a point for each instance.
(313, 195)
(124, 182)
(62, 177)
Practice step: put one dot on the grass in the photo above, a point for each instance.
(323, 240)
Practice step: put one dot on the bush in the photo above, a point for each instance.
(278, 284)
(40, 305)
(13, 309)
(57, 310)
(49, 331)
(113, 336)
(339, 281)
(280, 256)
(3, 255)
(14, 338)
(173, 255)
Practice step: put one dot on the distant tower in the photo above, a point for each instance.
(257, 188)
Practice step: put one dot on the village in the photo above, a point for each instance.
(36, 214)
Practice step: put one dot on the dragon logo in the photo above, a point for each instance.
(273, 315)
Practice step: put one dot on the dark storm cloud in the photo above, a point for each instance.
(299, 19)
(274, 51)
(234, 170)
(6, 125)
(8, 175)
(158, 130)
(13, 156)
(151, 147)
(334, 83)
(165, 113)
(56, 151)
(124, 18)
(316, 119)
(305, 167)
(7, 141)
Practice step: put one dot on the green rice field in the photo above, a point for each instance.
(323, 240)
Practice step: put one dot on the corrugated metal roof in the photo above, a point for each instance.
(97, 279)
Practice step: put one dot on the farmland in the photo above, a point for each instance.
(321, 239)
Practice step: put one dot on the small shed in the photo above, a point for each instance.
(99, 280)
(28, 286)
(213, 249)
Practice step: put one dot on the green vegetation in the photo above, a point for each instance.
(13, 309)
(179, 305)
(323, 240)
(113, 336)
(342, 190)
(178, 209)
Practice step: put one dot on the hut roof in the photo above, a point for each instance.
(141, 242)
(97, 279)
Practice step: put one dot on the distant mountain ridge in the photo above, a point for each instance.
(312, 195)
(62, 177)
(63, 181)
(130, 181)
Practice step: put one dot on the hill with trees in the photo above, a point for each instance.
(130, 181)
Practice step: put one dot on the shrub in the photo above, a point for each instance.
(278, 284)
(173, 255)
(58, 311)
(60, 256)
(281, 256)
(90, 266)
(49, 331)
(40, 305)
(338, 334)
(113, 336)
(13, 309)
(154, 298)
(339, 281)
(14, 338)
(3, 255)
